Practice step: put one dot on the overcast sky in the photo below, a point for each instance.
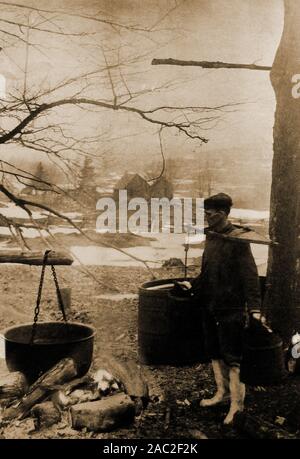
(244, 31)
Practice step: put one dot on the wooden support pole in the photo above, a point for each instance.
(35, 257)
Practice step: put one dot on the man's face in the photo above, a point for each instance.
(214, 217)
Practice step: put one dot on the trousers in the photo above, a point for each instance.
(223, 336)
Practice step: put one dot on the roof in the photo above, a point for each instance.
(161, 181)
(126, 179)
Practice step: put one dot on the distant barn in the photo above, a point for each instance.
(36, 190)
(136, 187)
(162, 188)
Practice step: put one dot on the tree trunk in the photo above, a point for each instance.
(283, 284)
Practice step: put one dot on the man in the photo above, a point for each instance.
(227, 288)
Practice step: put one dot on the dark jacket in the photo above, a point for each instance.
(228, 281)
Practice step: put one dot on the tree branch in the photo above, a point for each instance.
(182, 127)
(210, 65)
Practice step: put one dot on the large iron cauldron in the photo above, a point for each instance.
(53, 341)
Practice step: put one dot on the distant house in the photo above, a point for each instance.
(27, 190)
(161, 188)
(136, 187)
(33, 191)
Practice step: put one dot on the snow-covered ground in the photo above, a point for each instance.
(249, 214)
(164, 246)
(11, 211)
(31, 233)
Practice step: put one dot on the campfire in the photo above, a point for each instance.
(49, 378)
(99, 401)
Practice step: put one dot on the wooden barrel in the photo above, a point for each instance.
(169, 327)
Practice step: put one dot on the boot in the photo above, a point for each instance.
(221, 379)
(237, 394)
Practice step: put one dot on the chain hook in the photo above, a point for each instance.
(39, 296)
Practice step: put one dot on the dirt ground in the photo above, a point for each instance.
(177, 389)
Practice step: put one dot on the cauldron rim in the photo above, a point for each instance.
(147, 286)
(89, 328)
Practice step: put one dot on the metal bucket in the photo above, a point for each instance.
(263, 358)
(53, 342)
(169, 328)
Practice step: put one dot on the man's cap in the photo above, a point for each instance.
(220, 201)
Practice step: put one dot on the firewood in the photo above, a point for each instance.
(86, 381)
(103, 415)
(257, 428)
(105, 381)
(78, 390)
(45, 415)
(129, 374)
(63, 401)
(12, 385)
(63, 371)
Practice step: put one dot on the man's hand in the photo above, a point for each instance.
(185, 284)
(258, 317)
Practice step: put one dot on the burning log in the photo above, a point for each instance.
(103, 415)
(77, 391)
(130, 375)
(86, 381)
(63, 401)
(62, 372)
(45, 415)
(12, 386)
(105, 381)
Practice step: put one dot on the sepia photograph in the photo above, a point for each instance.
(149, 222)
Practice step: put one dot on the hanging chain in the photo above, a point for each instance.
(39, 296)
(58, 293)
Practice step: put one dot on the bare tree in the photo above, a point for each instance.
(282, 301)
(36, 113)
